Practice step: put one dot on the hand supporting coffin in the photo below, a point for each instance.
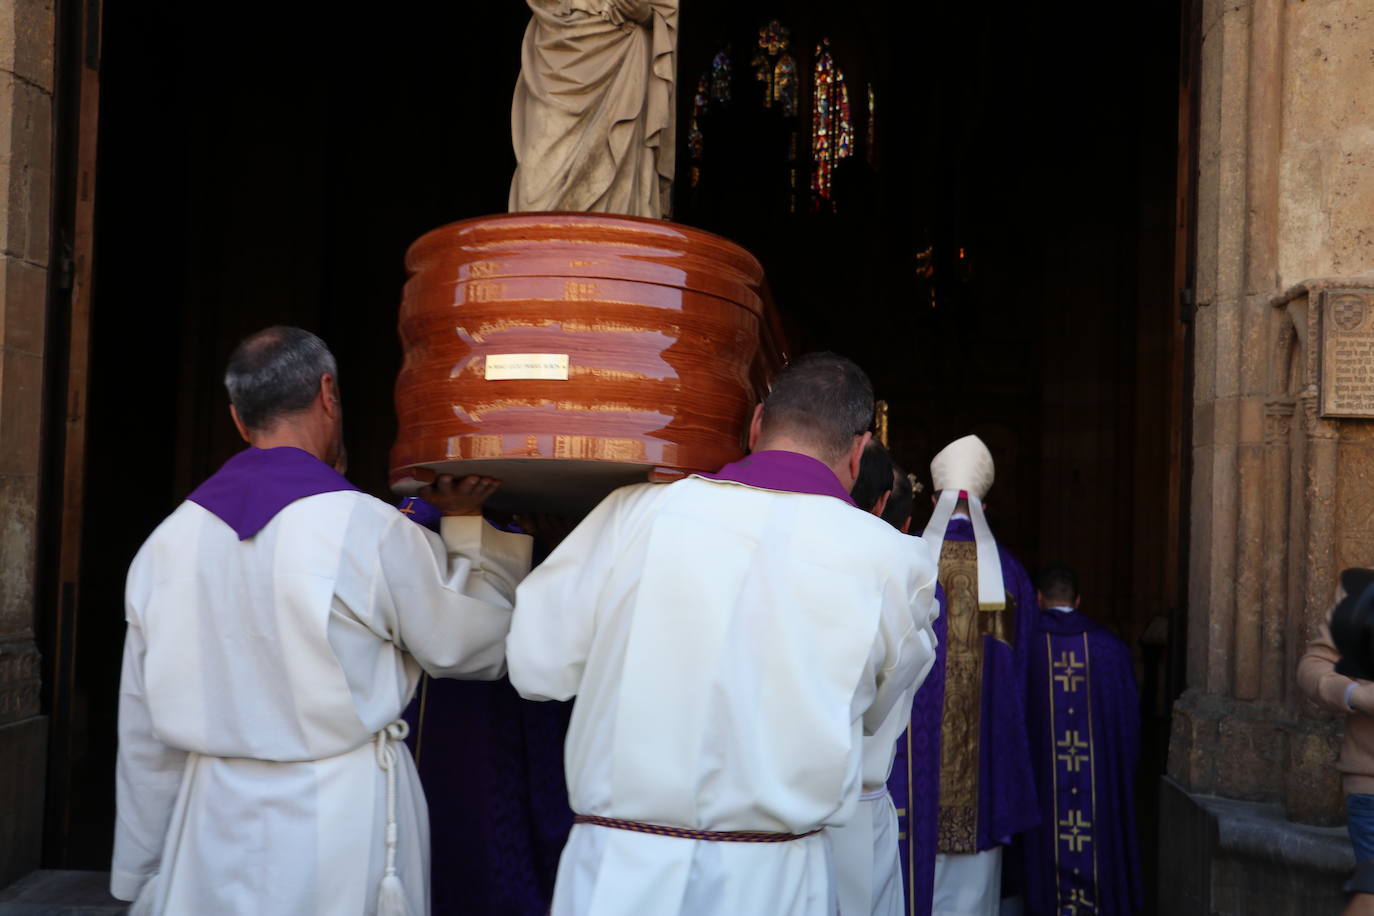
(459, 497)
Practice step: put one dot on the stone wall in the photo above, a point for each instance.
(1282, 497)
(1237, 857)
(26, 139)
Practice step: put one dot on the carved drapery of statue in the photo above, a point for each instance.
(594, 112)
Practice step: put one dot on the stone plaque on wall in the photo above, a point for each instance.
(1347, 353)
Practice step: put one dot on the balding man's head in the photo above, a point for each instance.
(821, 400)
(275, 373)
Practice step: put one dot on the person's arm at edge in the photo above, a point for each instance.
(908, 638)
(447, 601)
(1317, 677)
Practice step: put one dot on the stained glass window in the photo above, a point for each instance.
(832, 127)
(696, 140)
(721, 74)
(776, 68)
(785, 87)
(774, 38)
(872, 127)
(713, 88)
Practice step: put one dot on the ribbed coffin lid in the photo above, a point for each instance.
(595, 247)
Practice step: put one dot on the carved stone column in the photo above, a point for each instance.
(26, 79)
(1283, 460)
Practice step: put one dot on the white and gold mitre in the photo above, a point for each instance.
(965, 464)
(964, 470)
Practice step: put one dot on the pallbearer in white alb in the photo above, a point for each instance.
(278, 623)
(730, 639)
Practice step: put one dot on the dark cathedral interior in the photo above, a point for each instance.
(989, 230)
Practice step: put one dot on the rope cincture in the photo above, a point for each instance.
(391, 899)
(685, 833)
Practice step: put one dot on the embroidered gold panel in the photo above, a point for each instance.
(962, 712)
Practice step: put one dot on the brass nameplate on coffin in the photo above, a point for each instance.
(504, 366)
(1346, 367)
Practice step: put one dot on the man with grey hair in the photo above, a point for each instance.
(278, 622)
(730, 638)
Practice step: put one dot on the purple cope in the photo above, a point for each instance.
(1085, 744)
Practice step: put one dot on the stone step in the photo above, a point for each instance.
(50, 892)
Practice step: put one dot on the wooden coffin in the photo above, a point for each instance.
(568, 354)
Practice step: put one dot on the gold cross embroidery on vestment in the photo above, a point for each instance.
(1077, 829)
(1078, 903)
(1066, 669)
(1071, 753)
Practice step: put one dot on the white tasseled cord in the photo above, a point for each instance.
(391, 897)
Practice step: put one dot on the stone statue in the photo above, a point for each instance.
(593, 118)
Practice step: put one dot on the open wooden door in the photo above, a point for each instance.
(1181, 351)
(78, 109)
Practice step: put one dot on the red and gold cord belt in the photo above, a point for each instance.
(684, 833)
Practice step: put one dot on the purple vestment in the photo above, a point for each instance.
(1085, 743)
(491, 763)
(257, 483)
(1006, 789)
(786, 472)
(421, 512)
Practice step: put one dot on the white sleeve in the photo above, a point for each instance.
(447, 601)
(882, 744)
(906, 638)
(147, 778)
(556, 606)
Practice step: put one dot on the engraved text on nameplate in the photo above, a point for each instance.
(527, 366)
(1347, 355)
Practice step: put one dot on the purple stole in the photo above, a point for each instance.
(1085, 739)
(250, 488)
(785, 472)
(1006, 796)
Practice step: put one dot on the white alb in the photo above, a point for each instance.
(729, 648)
(260, 770)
